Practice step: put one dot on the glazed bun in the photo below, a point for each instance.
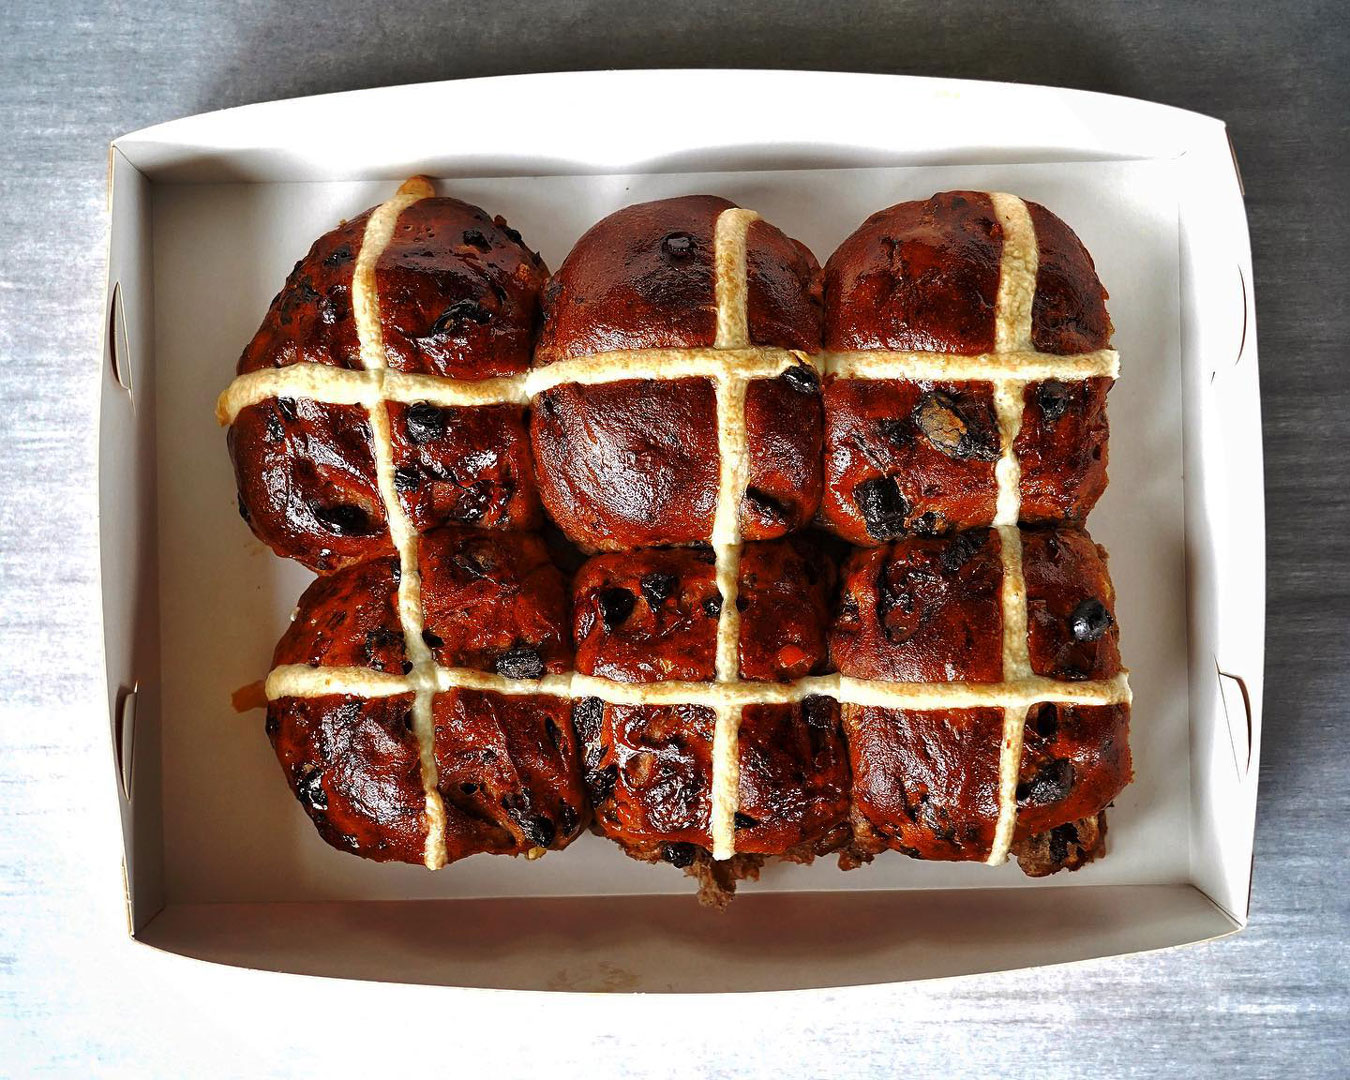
(919, 455)
(458, 299)
(634, 463)
(651, 616)
(506, 764)
(926, 782)
(712, 682)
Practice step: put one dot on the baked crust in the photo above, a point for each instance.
(922, 610)
(354, 765)
(306, 478)
(467, 466)
(459, 293)
(310, 320)
(794, 783)
(1062, 448)
(348, 619)
(493, 601)
(508, 773)
(908, 457)
(643, 278)
(649, 775)
(1072, 633)
(628, 464)
(923, 277)
(649, 616)
(1075, 761)
(917, 277)
(925, 783)
(1068, 314)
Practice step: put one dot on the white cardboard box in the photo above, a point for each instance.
(209, 213)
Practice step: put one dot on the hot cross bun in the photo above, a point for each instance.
(458, 298)
(634, 462)
(928, 611)
(506, 764)
(919, 454)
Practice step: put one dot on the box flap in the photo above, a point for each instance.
(668, 944)
(1225, 522)
(127, 548)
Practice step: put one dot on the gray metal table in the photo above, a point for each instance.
(75, 997)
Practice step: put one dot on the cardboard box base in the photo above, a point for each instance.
(182, 627)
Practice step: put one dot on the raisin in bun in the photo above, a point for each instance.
(919, 455)
(480, 770)
(635, 463)
(458, 298)
(926, 782)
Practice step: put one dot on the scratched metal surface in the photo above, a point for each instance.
(76, 998)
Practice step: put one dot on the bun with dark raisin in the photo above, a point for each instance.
(928, 611)
(714, 686)
(506, 766)
(634, 463)
(918, 455)
(651, 616)
(458, 298)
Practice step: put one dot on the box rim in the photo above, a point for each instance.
(176, 125)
